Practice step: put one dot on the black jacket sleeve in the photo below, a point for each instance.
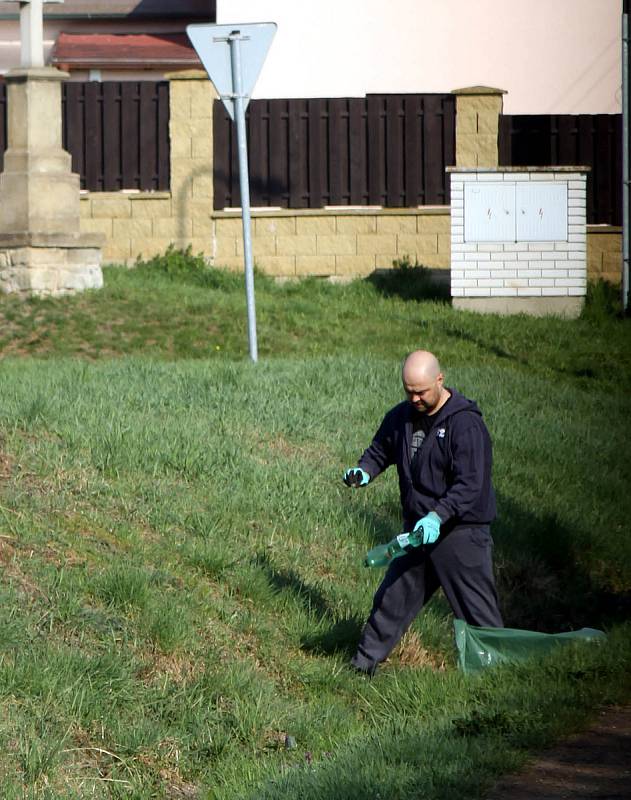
(381, 452)
(470, 474)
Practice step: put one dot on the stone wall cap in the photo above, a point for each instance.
(63, 240)
(479, 90)
(577, 168)
(374, 211)
(125, 194)
(21, 75)
(140, 196)
(187, 75)
(603, 227)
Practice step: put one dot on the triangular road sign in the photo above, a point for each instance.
(212, 43)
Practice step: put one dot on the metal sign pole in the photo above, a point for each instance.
(244, 183)
(626, 178)
(219, 48)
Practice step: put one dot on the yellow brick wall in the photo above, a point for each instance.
(133, 224)
(296, 243)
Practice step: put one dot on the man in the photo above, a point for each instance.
(442, 451)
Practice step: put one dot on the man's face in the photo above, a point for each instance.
(424, 394)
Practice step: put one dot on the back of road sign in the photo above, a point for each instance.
(212, 44)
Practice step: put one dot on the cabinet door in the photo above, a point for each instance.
(489, 212)
(541, 211)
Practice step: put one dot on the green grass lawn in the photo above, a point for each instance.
(182, 581)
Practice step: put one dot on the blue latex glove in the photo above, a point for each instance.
(430, 526)
(355, 477)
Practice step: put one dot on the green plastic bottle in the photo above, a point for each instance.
(382, 555)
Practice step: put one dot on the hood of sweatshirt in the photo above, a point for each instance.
(456, 403)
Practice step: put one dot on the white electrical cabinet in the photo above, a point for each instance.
(515, 212)
(519, 239)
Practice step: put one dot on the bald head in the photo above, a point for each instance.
(423, 382)
(419, 366)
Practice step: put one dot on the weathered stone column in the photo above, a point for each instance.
(478, 110)
(41, 248)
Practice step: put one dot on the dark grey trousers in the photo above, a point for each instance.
(461, 562)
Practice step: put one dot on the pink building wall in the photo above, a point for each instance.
(551, 56)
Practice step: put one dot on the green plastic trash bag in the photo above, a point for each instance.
(485, 647)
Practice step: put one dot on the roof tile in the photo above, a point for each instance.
(94, 50)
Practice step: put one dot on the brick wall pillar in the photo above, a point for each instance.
(191, 132)
(478, 109)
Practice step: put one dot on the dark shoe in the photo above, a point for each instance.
(363, 666)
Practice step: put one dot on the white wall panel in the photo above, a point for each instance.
(551, 56)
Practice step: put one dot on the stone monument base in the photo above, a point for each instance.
(48, 264)
(565, 306)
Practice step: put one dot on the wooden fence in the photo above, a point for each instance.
(381, 150)
(593, 140)
(117, 133)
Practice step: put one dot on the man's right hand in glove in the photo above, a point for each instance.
(356, 477)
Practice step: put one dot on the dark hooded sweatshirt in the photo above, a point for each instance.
(452, 473)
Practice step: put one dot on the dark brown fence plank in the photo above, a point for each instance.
(505, 134)
(297, 156)
(413, 176)
(433, 166)
(394, 151)
(235, 188)
(376, 150)
(583, 140)
(615, 168)
(605, 183)
(93, 137)
(600, 173)
(357, 145)
(73, 127)
(221, 156)
(317, 158)
(279, 177)
(257, 160)
(566, 139)
(112, 171)
(129, 129)
(345, 157)
(337, 146)
(148, 145)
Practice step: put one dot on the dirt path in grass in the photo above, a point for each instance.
(589, 765)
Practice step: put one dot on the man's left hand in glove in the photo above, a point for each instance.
(430, 525)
